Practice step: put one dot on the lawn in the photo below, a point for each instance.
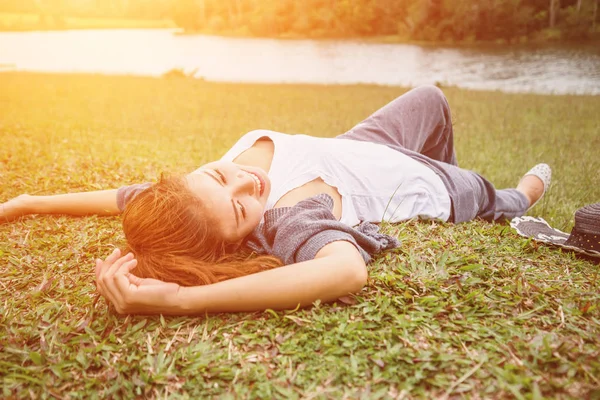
(469, 310)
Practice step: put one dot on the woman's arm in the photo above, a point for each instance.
(102, 202)
(337, 270)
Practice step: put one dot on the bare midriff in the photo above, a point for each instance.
(261, 155)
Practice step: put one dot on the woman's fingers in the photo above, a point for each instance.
(114, 256)
(125, 290)
(121, 289)
(112, 269)
(146, 296)
(106, 271)
(117, 271)
(137, 281)
(103, 266)
(97, 270)
(129, 293)
(145, 281)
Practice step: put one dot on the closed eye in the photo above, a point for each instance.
(221, 176)
(242, 209)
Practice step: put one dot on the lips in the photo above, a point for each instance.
(260, 184)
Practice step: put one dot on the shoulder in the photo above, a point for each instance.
(248, 140)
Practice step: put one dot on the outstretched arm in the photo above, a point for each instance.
(102, 202)
(338, 269)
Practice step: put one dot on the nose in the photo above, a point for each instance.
(244, 183)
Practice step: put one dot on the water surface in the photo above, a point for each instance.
(548, 69)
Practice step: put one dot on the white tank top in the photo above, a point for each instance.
(375, 182)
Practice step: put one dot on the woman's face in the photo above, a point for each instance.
(235, 195)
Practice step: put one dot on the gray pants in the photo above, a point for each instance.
(419, 125)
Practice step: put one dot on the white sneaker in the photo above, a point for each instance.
(544, 173)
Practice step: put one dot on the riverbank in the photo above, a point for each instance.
(541, 38)
(12, 22)
(468, 310)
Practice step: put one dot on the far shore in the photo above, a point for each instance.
(10, 22)
(398, 39)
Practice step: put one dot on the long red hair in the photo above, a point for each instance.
(174, 239)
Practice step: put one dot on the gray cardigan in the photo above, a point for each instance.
(296, 234)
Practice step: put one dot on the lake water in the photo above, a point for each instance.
(548, 69)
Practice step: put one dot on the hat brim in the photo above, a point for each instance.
(539, 230)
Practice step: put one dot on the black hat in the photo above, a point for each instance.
(584, 238)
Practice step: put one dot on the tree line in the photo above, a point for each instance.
(424, 20)
(427, 20)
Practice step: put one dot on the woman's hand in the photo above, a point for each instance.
(130, 294)
(15, 208)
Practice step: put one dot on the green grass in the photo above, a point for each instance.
(469, 310)
(32, 22)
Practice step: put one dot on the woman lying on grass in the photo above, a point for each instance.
(232, 237)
